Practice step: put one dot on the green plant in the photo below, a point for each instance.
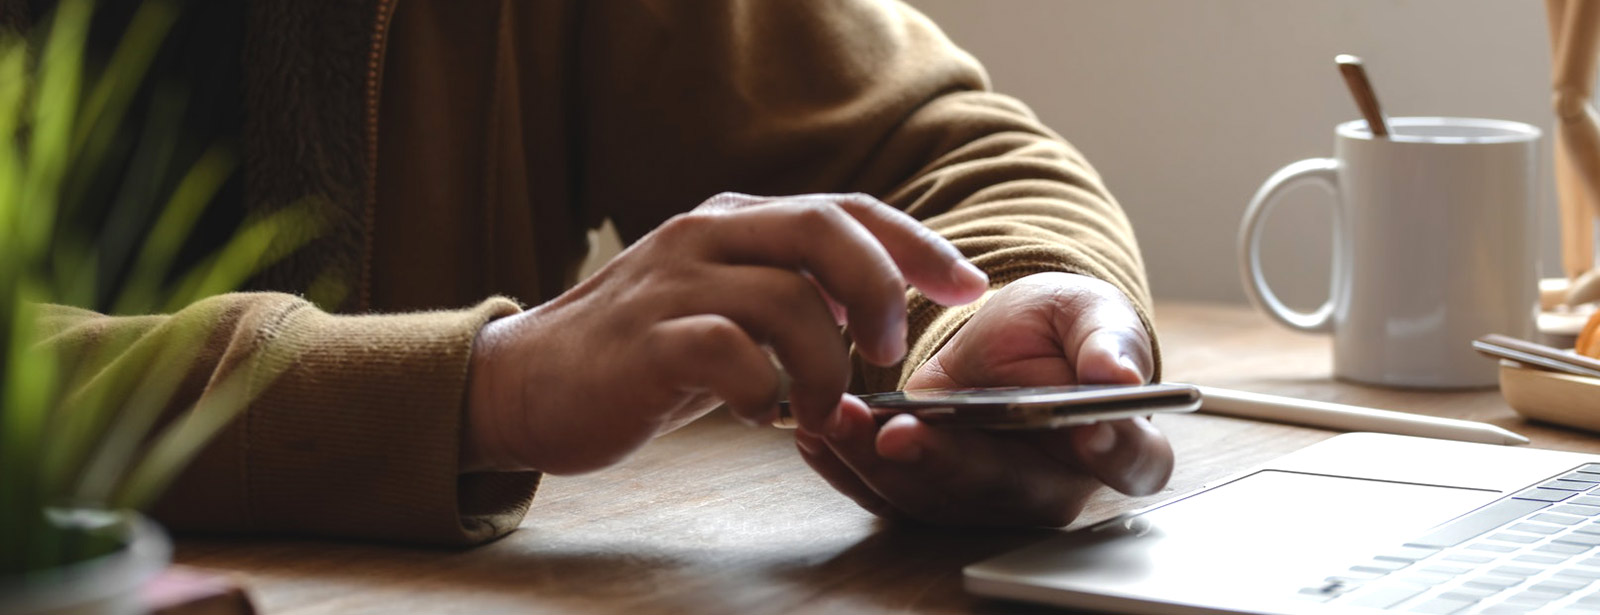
(70, 443)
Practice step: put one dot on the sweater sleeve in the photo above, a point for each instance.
(793, 96)
(353, 423)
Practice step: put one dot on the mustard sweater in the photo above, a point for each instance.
(464, 150)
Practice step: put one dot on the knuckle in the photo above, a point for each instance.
(818, 216)
(862, 199)
(927, 236)
(1072, 299)
(682, 225)
(727, 200)
(715, 336)
(1076, 287)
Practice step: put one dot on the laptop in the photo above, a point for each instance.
(1359, 522)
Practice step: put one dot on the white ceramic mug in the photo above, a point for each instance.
(1434, 245)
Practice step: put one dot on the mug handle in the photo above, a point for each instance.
(1324, 171)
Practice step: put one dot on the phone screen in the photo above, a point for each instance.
(1045, 407)
(1072, 394)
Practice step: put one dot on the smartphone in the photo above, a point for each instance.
(1045, 407)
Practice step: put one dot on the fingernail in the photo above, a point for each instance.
(1127, 363)
(1102, 440)
(909, 450)
(771, 417)
(965, 273)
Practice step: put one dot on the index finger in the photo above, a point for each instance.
(927, 260)
(860, 252)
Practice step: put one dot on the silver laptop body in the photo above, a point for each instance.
(1357, 522)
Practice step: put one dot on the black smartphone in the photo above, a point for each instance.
(1045, 407)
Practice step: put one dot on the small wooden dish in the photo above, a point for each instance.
(1544, 395)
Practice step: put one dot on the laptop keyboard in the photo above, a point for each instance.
(1537, 551)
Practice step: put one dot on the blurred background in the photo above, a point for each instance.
(1185, 107)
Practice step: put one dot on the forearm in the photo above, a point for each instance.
(353, 422)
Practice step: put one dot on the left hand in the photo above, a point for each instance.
(1045, 329)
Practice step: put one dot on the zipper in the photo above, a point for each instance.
(374, 86)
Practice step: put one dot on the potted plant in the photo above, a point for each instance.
(80, 455)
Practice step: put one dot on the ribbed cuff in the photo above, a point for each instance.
(359, 434)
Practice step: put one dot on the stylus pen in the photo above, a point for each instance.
(1349, 418)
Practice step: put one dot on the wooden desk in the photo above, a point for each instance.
(720, 518)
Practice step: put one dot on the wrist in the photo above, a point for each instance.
(482, 445)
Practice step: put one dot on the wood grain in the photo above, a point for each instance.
(1575, 49)
(720, 518)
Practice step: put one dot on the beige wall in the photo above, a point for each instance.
(1185, 106)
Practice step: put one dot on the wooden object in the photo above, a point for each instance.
(1561, 399)
(1577, 224)
(1586, 287)
(1575, 42)
(1355, 77)
(721, 518)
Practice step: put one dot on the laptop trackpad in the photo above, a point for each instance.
(1267, 534)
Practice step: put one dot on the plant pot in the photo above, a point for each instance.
(106, 585)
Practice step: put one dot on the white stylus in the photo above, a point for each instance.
(1343, 417)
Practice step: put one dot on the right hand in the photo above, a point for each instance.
(677, 324)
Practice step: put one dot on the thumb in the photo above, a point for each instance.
(1113, 345)
(1114, 355)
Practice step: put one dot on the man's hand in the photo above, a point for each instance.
(1045, 329)
(683, 320)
